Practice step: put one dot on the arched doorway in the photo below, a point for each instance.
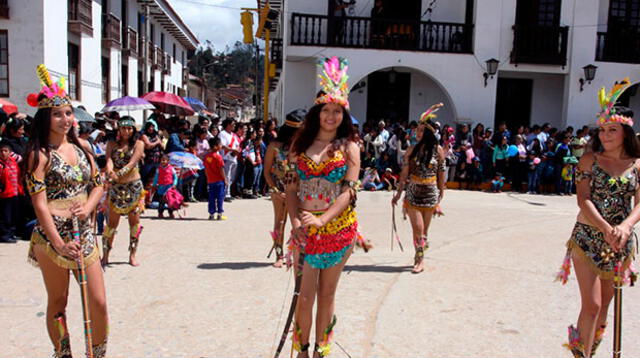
(398, 95)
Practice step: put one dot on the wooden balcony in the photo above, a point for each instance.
(111, 27)
(151, 53)
(80, 19)
(167, 64)
(383, 34)
(185, 76)
(158, 59)
(4, 9)
(618, 46)
(542, 45)
(130, 43)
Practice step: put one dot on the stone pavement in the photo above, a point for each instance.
(206, 289)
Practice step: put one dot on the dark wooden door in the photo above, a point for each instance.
(513, 103)
(388, 96)
(545, 13)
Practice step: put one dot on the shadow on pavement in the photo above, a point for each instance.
(377, 268)
(233, 265)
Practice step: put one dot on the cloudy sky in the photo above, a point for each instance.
(215, 20)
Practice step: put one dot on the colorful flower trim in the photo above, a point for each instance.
(332, 169)
(575, 345)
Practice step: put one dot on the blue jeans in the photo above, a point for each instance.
(216, 197)
(534, 181)
(373, 186)
(257, 174)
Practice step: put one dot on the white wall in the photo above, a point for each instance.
(358, 102)
(300, 86)
(90, 62)
(424, 93)
(26, 51)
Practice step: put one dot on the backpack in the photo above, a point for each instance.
(173, 198)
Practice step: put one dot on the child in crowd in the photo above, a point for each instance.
(10, 189)
(474, 176)
(217, 182)
(165, 179)
(533, 175)
(389, 180)
(497, 183)
(568, 171)
(189, 176)
(371, 180)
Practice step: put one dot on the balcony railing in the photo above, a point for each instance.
(130, 44)
(618, 47)
(544, 45)
(111, 31)
(4, 9)
(384, 34)
(167, 64)
(79, 16)
(158, 59)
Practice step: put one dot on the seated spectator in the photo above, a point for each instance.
(497, 183)
(389, 180)
(371, 180)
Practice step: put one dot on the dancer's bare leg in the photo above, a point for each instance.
(591, 297)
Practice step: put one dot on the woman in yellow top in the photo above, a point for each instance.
(63, 182)
(126, 191)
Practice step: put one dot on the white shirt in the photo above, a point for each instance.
(230, 140)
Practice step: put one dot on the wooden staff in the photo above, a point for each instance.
(82, 281)
(617, 310)
(294, 302)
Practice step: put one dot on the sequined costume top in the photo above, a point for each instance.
(279, 167)
(418, 167)
(422, 192)
(322, 180)
(121, 157)
(327, 245)
(65, 184)
(612, 196)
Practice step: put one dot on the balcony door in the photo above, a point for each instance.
(544, 13)
(624, 15)
(408, 10)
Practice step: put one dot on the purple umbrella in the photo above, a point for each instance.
(127, 103)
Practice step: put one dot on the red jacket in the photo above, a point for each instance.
(10, 179)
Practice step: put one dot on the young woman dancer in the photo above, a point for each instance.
(320, 197)
(126, 192)
(607, 183)
(423, 175)
(64, 183)
(275, 163)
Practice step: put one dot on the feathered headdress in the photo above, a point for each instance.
(55, 94)
(334, 81)
(607, 104)
(429, 115)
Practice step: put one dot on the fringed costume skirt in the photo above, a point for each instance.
(125, 198)
(421, 196)
(327, 245)
(588, 242)
(65, 227)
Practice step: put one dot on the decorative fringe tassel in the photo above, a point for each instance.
(565, 269)
(574, 345)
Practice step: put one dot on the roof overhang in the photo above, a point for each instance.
(165, 15)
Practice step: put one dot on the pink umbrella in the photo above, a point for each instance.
(169, 103)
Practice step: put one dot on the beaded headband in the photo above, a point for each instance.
(126, 122)
(292, 124)
(54, 93)
(333, 81)
(607, 104)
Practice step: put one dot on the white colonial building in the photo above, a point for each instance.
(414, 53)
(96, 44)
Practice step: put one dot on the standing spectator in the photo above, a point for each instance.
(464, 135)
(14, 134)
(578, 144)
(270, 132)
(152, 151)
(413, 133)
(543, 136)
(474, 178)
(383, 132)
(165, 179)
(501, 132)
(10, 190)
(562, 151)
(533, 175)
(230, 145)
(201, 138)
(568, 171)
(176, 141)
(535, 131)
(535, 148)
(216, 180)
(477, 139)
(500, 155)
(519, 164)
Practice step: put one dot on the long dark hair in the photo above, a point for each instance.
(423, 151)
(630, 144)
(39, 141)
(311, 126)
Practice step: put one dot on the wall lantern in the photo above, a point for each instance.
(392, 75)
(589, 75)
(492, 69)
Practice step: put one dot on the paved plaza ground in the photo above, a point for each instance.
(206, 289)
